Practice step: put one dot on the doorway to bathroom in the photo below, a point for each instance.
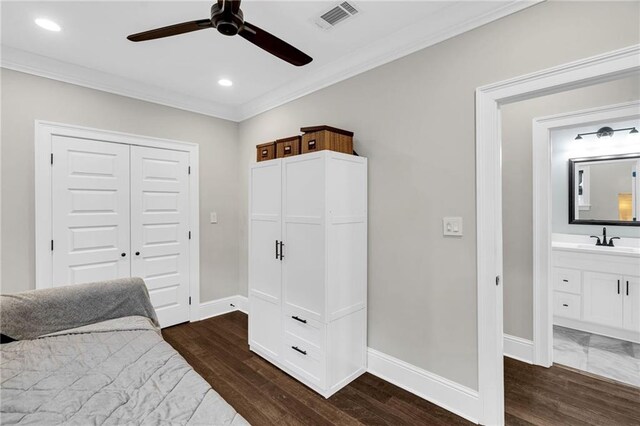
(586, 283)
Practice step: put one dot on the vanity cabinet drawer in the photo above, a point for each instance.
(304, 359)
(566, 305)
(567, 280)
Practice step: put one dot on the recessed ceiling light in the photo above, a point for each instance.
(47, 24)
(225, 82)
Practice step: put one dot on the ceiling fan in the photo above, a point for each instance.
(228, 19)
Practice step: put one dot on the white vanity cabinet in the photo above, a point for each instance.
(308, 267)
(598, 292)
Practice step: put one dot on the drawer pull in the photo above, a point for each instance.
(287, 149)
(311, 145)
(295, 348)
(265, 152)
(564, 304)
(566, 281)
(295, 317)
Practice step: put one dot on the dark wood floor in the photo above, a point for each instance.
(217, 349)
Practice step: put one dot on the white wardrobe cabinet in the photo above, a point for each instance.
(308, 266)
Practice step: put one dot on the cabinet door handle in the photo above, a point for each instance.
(297, 318)
(295, 348)
(627, 288)
(281, 250)
(277, 249)
(618, 286)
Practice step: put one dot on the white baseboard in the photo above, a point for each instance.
(518, 348)
(217, 307)
(449, 395)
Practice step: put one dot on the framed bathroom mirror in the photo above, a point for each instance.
(605, 190)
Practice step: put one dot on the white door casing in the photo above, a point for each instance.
(90, 211)
(45, 134)
(159, 229)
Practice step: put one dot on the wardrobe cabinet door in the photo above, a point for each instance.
(159, 229)
(602, 299)
(304, 234)
(631, 303)
(90, 211)
(265, 331)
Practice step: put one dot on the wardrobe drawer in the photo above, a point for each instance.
(304, 328)
(566, 305)
(304, 359)
(567, 280)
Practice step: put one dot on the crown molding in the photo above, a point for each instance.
(402, 43)
(43, 66)
(398, 45)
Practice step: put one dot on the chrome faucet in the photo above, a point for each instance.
(604, 241)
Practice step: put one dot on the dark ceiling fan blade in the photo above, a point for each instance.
(171, 30)
(274, 45)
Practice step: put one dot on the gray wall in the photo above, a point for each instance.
(517, 184)
(414, 119)
(564, 147)
(26, 98)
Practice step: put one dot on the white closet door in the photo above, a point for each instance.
(264, 263)
(90, 211)
(159, 229)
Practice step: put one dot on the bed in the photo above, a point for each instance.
(94, 355)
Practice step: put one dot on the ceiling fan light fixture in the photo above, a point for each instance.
(225, 82)
(578, 138)
(47, 24)
(634, 130)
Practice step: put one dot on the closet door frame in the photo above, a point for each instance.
(44, 133)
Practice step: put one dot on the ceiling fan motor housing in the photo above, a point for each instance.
(227, 21)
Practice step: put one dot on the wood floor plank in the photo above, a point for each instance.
(217, 349)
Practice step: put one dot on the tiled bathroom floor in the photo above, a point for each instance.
(604, 356)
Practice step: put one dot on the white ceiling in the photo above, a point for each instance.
(182, 71)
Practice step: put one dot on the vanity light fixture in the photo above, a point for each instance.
(47, 24)
(606, 131)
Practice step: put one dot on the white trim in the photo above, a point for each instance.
(542, 214)
(402, 43)
(605, 67)
(518, 348)
(213, 308)
(43, 66)
(44, 131)
(449, 395)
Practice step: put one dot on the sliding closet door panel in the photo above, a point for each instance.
(90, 210)
(265, 328)
(303, 267)
(159, 225)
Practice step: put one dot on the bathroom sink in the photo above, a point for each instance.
(608, 249)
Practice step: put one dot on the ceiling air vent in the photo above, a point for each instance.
(336, 14)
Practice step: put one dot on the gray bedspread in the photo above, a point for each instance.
(116, 372)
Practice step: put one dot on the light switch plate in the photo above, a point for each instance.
(213, 217)
(452, 226)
